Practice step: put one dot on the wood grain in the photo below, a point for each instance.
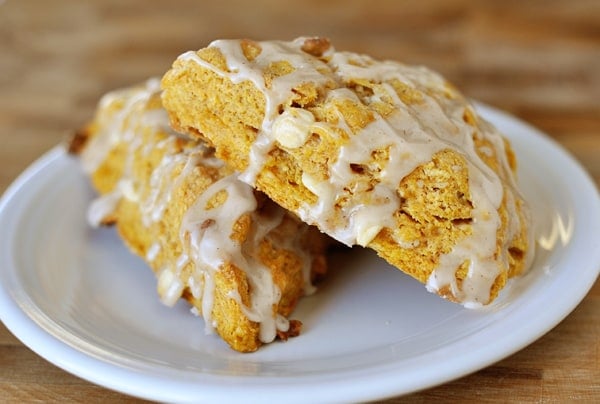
(539, 60)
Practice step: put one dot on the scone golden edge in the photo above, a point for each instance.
(238, 258)
(374, 153)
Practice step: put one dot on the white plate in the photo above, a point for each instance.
(78, 298)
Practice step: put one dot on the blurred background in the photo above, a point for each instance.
(539, 60)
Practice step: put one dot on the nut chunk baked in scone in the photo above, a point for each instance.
(240, 260)
(374, 153)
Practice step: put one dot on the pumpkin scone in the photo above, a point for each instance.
(374, 153)
(239, 259)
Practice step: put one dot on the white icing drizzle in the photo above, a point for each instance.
(162, 186)
(114, 128)
(102, 207)
(153, 251)
(240, 69)
(413, 133)
(204, 233)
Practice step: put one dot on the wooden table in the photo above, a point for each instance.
(539, 60)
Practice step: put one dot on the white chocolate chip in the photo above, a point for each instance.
(408, 244)
(293, 127)
(169, 287)
(367, 235)
(127, 189)
(309, 182)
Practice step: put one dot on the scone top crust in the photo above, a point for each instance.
(374, 153)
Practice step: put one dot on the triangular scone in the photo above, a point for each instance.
(374, 153)
(238, 258)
